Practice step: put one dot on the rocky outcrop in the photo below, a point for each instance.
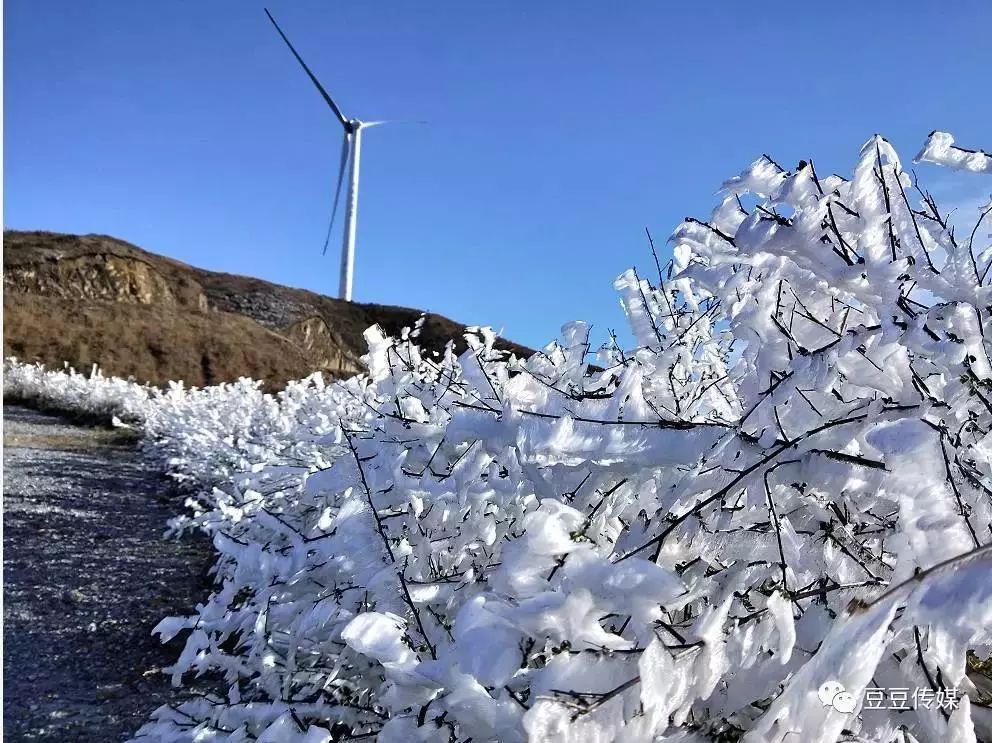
(103, 276)
(314, 338)
(90, 299)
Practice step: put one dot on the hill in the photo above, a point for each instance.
(89, 299)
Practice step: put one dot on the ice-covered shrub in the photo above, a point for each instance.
(200, 436)
(95, 396)
(787, 483)
(785, 488)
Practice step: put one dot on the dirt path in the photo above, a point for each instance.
(87, 575)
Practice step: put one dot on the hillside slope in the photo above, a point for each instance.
(89, 299)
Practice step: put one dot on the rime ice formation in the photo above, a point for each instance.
(787, 483)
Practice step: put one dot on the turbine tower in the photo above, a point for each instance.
(351, 151)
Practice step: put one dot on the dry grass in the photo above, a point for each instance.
(150, 343)
(94, 438)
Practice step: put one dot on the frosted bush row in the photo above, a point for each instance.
(786, 486)
(200, 436)
(95, 395)
(685, 545)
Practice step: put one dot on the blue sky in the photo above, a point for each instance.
(557, 130)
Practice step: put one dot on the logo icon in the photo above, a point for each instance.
(833, 694)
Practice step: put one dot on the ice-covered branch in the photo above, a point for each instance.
(940, 149)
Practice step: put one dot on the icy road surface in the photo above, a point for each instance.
(87, 575)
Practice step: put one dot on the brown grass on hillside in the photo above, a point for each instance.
(150, 343)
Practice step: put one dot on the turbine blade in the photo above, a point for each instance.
(345, 154)
(313, 78)
(367, 124)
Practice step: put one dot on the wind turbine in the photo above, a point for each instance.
(351, 151)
